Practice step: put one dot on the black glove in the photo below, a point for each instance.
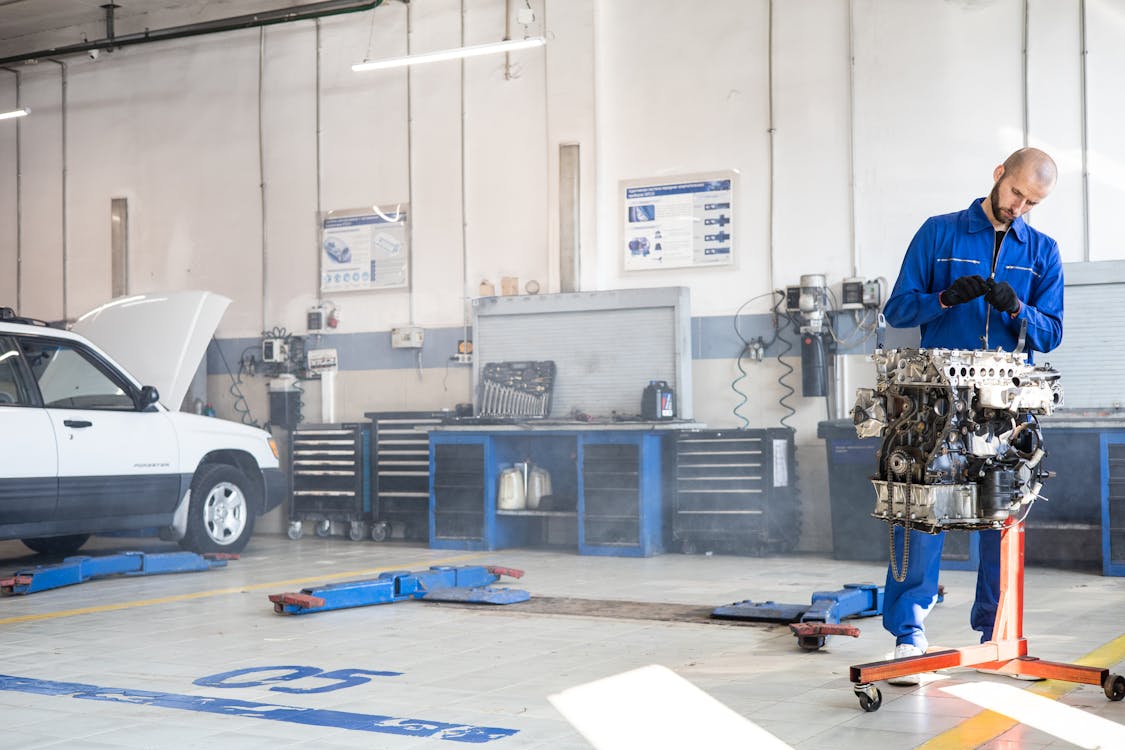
(1001, 296)
(964, 289)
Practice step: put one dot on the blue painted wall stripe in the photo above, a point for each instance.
(270, 711)
(712, 337)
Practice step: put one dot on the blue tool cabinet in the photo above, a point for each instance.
(1113, 503)
(607, 489)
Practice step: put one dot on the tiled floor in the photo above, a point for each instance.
(123, 663)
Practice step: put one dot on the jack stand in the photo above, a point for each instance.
(1006, 652)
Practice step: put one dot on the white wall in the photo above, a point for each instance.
(883, 112)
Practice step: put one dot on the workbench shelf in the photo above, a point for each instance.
(606, 499)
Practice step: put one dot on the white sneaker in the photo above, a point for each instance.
(1024, 677)
(903, 650)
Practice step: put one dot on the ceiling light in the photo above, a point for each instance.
(451, 54)
(22, 112)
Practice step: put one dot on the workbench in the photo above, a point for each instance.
(607, 480)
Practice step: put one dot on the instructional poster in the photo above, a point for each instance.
(365, 249)
(677, 224)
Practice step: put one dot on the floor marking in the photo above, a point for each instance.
(1068, 723)
(315, 717)
(654, 708)
(988, 725)
(221, 592)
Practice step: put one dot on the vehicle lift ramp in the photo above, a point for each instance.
(80, 569)
(443, 583)
(813, 623)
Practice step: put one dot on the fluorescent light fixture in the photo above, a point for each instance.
(22, 112)
(510, 45)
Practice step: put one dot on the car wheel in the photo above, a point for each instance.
(57, 545)
(220, 518)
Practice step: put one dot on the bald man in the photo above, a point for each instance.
(970, 279)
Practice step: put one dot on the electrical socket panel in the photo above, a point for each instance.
(407, 337)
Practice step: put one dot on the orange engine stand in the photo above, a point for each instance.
(1006, 652)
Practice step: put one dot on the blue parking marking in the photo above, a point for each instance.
(344, 678)
(269, 711)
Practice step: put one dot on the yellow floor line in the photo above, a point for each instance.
(232, 590)
(988, 725)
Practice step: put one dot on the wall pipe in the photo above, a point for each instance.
(412, 261)
(234, 23)
(19, 201)
(319, 170)
(771, 132)
(851, 140)
(1085, 53)
(262, 175)
(65, 246)
(1026, 74)
(464, 201)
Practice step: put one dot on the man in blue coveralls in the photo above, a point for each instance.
(967, 274)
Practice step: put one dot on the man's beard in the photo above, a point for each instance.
(994, 201)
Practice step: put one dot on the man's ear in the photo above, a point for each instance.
(998, 173)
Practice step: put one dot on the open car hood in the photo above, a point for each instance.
(159, 338)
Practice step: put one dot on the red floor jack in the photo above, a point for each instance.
(1007, 652)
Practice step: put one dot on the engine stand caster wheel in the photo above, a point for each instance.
(869, 697)
(296, 530)
(379, 532)
(811, 642)
(323, 528)
(1114, 687)
(356, 531)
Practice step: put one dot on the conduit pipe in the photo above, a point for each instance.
(65, 165)
(234, 23)
(19, 202)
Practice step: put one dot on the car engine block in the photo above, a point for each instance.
(962, 447)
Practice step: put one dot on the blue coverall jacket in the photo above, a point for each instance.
(944, 249)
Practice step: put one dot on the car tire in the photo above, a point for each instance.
(57, 545)
(220, 513)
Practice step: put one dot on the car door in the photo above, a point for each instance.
(28, 457)
(117, 464)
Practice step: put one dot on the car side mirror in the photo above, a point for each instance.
(149, 396)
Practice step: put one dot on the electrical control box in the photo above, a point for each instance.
(872, 293)
(792, 299)
(274, 350)
(851, 294)
(316, 319)
(407, 337)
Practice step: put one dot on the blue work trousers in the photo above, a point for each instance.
(906, 604)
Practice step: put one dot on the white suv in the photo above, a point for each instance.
(86, 448)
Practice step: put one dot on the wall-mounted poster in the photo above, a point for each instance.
(686, 222)
(364, 249)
